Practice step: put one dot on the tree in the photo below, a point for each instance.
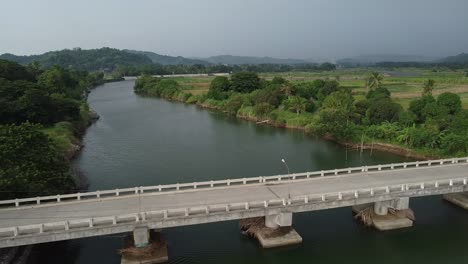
(374, 81)
(341, 100)
(328, 88)
(30, 164)
(407, 118)
(234, 104)
(271, 95)
(13, 71)
(417, 105)
(378, 93)
(383, 110)
(428, 87)
(218, 88)
(450, 101)
(278, 80)
(220, 83)
(245, 82)
(296, 104)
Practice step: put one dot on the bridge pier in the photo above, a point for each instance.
(386, 215)
(458, 199)
(145, 247)
(272, 230)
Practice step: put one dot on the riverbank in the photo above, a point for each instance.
(249, 115)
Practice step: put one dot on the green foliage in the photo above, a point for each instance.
(428, 87)
(295, 104)
(263, 109)
(271, 95)
(218, 88)
(455, 144)
(30, 165)
(341, 100)
(336, 122)
(53, 98)
(165, 88)
(245, 82)
(417, 106)
(450, 101)
(103, 59)
(374, 81)
(407, 118)
(13, 71)
(427, 126)
(328, 88)
(383, 110)
(234, 103)
(278, 80)
(378, 93)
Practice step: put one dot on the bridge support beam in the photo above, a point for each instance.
(386, 215)
(272, 230)
(145, 246)
(458, 199)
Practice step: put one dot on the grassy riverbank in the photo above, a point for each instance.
(433, 125)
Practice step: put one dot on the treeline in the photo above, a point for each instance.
(432, 126)
(157, 69)
(33, 101)
(103, 59)
(424, 65)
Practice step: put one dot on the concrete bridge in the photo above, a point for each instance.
(140, 209)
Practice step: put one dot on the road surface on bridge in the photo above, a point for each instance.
(66, 211)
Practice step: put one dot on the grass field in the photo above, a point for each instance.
(404, 84)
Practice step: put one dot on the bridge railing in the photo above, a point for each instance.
(399, 190)
(223, 183)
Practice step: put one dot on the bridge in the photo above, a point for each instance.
(71, 216)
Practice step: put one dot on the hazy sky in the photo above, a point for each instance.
(294, 28)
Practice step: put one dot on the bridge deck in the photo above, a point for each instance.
(30, 215)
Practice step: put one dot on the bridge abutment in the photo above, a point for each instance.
(272, 230)
(386, 215)
(144, 247)
(458, 199)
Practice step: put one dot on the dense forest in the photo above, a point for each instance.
(38, 109)
(134, 63)
(432, 126)
(104, 59)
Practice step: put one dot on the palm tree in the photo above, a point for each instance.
(428, 87)
(374, 81)
(297, 104)
(287, 90)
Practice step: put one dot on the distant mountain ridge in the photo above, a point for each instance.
(461, 58)
(103, 59)
(168, 60)
(238, 60)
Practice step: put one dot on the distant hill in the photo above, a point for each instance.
(168, 60)
(238, 60)
(103, 59)
(461, 58)
(376, 58)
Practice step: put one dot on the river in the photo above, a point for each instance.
(146, 141)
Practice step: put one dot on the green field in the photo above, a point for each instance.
(404, 84)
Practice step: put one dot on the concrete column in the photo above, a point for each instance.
(275, 221)
(141, 237)
(401, 203)
(381, 208)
